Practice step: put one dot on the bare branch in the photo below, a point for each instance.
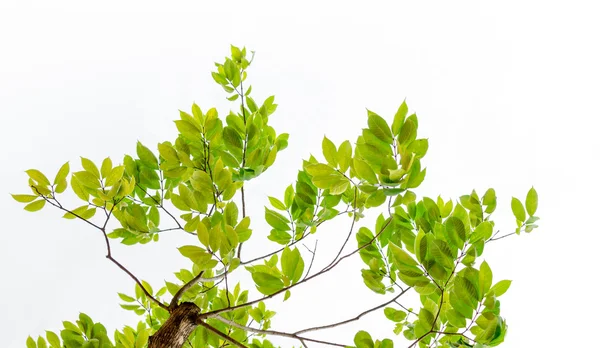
(312, 259)
(277, 333)
(328, 326)
(498, 238)
(351, 228)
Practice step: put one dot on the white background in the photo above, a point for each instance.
(506, 92)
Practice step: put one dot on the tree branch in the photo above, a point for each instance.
(222, 335)
(277, 333)
(315, 328)
(108, 249)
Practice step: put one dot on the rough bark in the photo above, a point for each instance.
(177, 328)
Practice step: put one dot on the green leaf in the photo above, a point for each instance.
(518, 210)
(531, 202)
(53, 339)
(289, 196)
(277, 204)
(330, 152)
(485, 278)
(455, 230)
(35, 206)
(455, 318)
(115, 175)
(399, 118)
(146, 156)
(267, 283)
(500, 287)
(292, 264)
(198, 255)
(394, 314)
(364, 171)
(30, 342)
(407, 133)
(62, 174)
(401, 256)
(483, 231)
(90, 167)
(37, 176)
(85, 212)
(142, 339)
(106, 167)
(421, 246)
(126, 298)
(363, 339)
(168, 152)
(87, 179)
(344, 156)
(466, 291)
(379, 127)
(276, 220)
(441, 253)
(489, 197)
(24, 198)
(325, 177)
(419, 147)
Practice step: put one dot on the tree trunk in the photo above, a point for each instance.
(177, 328)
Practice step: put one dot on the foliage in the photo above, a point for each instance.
(428, 245)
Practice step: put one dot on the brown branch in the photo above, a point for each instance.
(312, 259)
(315, 328)
(277, 333)
(108, 249)
(351, 228)
(222, 335)
(504, 236)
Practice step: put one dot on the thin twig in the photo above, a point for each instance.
(312, 259)
(504, 236)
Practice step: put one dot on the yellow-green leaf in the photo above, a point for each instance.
(90, 167)
(38, 177)
(35, 206)
(531, 202)
(62, 174)
(330, 152)
(517, 209)
(344, 155)
(106, 167)
(24, 198)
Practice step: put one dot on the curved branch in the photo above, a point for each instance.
(328, 326)
(108, 249)
(277, 333)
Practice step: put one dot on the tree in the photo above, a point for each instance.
(430, 246)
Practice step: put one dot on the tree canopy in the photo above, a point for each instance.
(195, 185)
